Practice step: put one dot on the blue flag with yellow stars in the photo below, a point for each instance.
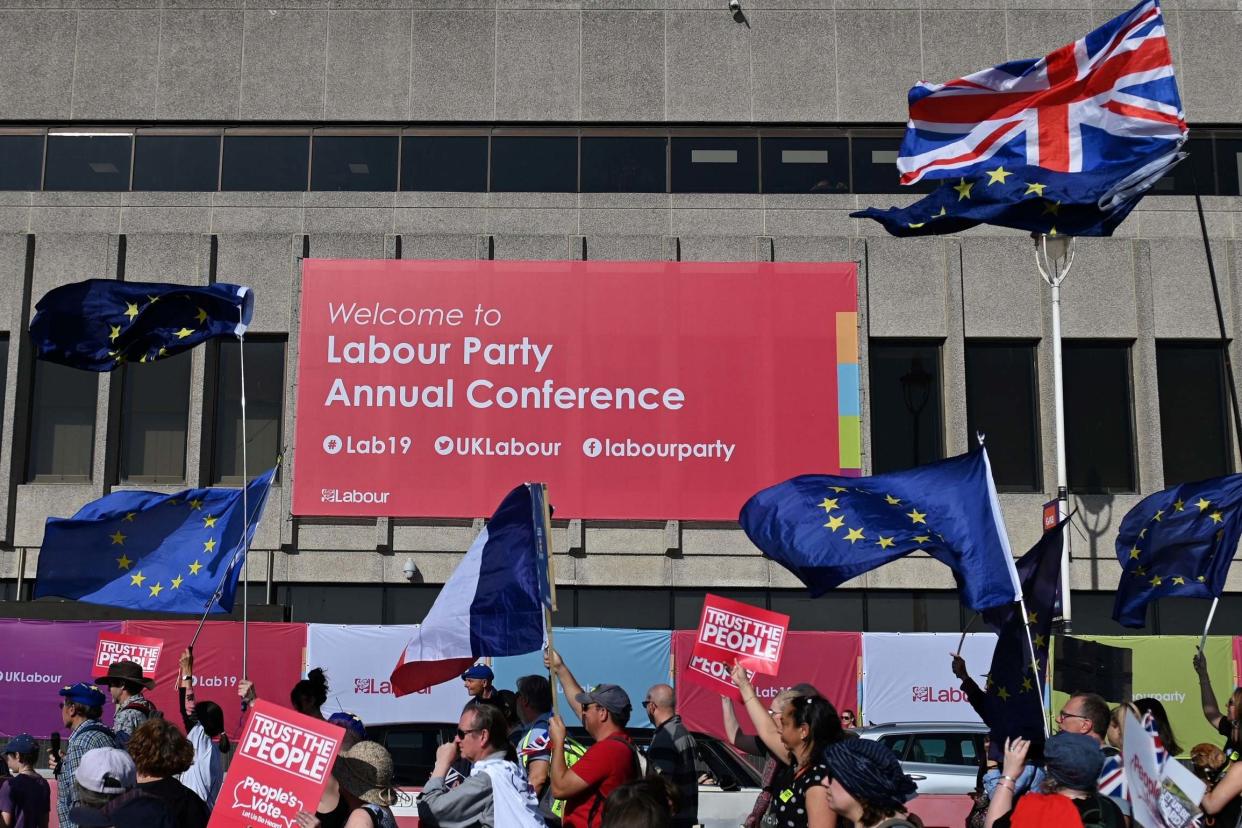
(152, 552)
(827, 530)
(100, 324)
(1178, 542)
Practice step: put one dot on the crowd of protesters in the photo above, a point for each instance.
(512, 762)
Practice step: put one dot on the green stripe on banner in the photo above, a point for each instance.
(850, 435)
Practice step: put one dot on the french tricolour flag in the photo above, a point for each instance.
(493, 603)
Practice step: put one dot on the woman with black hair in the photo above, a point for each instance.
(204, 724)
(310, 694)
(1163, 728)
(808, 725)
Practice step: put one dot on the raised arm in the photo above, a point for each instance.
(974, 693)
(1211, 709)
(733, 731)
(553, 661)
(1226, 790)
(765, 728)
(185, 688)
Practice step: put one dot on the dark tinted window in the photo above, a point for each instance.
(905, 405)
(4, 369)
(840, 609)
(806, 165)
(874, 165)
(155, 412)
(355, 162)
(1002, 403)
(62, 424)
(1194, 414)
(641, 609)
(1194, 172)
(444, 163)
(96, 162)
(265, 396)
(177, 162)
(21, 162)
(624, 165)
(1229, 165)
(1099, 426)
(715, 165)
(531, 164)
(265, 162)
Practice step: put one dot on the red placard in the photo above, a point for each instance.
(280, 767)
(732, 632)
(275, 662)
(635, 389)
(115, 647)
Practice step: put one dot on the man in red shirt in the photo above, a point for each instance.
(610, 762)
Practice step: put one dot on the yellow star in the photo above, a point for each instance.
(1032, 617)
(116, 331)
(922, 538)
(209, 545)
(854, 535)
(1156, 580)
(195, 567)
(196, 503)
(1179, 581)
(1216, 517)
(118, 539)
(916, 516)
(1027, 685)
(834, 522)
(1143, 533)
(123, 562)
(143, 359)
(1135, 552)
(1203, 504)
(183, 333)
(892, 501)
(1051, 208)
(202, 316)
(1037, 189)
(913, 226)
(941, 214)
(1052, 231)
(1040, 642)
(176, 582)
(839, 489)
(1002, 694)
(156, 590)
(209, 521)
(120, 358)
(137, 578)
(1158, 514)
(162, 352)
(963, 188)
(829, 504)
(1177, 504)
(1140, 571)
(152, 299)
(997, 176)
(1201, 579)
(131, 310)
(884, 542)
(129, 517)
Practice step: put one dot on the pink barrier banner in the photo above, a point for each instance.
(828, 660)
(36, 660)
(635, 389)
(275, 663)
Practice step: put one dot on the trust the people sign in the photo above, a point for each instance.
(731, 632)
(636, 390)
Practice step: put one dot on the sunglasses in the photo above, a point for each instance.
(461, 734)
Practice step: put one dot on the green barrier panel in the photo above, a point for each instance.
(1162, 670)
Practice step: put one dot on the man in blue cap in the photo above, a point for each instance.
(478, 680)
(27, 799)
(80, 711)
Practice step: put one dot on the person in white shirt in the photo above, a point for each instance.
(204, 722)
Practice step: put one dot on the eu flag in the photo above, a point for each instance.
(100, 324)
(152, 552)
(827, 530)
(1177, 542)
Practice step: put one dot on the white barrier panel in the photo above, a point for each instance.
(908, 677)
(359, 659)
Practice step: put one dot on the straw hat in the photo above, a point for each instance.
(365, 770)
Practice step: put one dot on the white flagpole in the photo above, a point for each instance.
(245, 539)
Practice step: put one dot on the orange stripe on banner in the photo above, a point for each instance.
(847, 338)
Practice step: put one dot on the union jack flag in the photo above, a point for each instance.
(1100, 103)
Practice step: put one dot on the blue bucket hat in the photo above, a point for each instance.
(88, 695)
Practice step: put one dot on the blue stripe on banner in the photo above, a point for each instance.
(506, 616)
(847, 390)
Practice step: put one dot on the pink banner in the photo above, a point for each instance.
(37, 659)
(1237, 661)
(634, 389)
(828, 660)
(275, 663)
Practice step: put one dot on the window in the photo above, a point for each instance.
(1194, 174)
(21, 162)
(1194, 412)
(943, 749)
(873, 162)
(62, 424)
(897, 743)
(444, 163)
(355, 162)
(534, 164)
(624, 165)
(155, 412)
(806, 165)
(715, 165)
(185, 163)
(265, 396)
(642, 609)
(1002, 402)
(96, 162)
(271, 163)
(906, 415)
(1099, 426)
(4, 370)
(1229, 166)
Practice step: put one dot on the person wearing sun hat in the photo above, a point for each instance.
(80, 709)
(867, 786)
(364, 773)
(126, 682)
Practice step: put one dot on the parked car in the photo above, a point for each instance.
(726, 794)
(941, 757)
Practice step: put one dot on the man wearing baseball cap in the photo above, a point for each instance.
(610, 762)
(107, 787)
(125, 682)
(478, 680)
(80, 710)
(27, 799)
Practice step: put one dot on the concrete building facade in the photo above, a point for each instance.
(570, 68)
